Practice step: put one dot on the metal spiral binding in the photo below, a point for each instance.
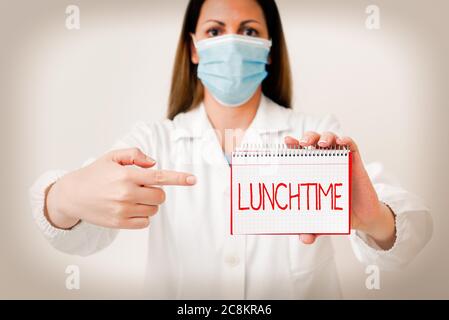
(283, 150)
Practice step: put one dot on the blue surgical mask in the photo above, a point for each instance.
(232, 67)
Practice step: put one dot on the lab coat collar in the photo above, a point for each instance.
(270, 118)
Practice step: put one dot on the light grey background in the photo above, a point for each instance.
(66, 96)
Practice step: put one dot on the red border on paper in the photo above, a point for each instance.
(349, 205)
(231, 197)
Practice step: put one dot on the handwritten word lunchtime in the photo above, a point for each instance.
(297, 196)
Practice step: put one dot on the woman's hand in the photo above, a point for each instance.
(111, 193)
(367, 214)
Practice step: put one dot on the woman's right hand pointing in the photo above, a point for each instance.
(111, 193)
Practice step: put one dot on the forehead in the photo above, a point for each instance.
(231, 10)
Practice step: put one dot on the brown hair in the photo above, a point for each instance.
(186, 89)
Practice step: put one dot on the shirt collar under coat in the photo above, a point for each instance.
(270, 118)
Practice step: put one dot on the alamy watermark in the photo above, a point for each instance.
(72, 20)
(372, 281)
(372, 21)
(72, 281)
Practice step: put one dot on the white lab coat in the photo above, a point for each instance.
(191, 253)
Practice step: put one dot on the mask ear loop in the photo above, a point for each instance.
(194, 40)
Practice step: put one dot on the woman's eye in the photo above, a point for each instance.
(213, 32)
(250, 32)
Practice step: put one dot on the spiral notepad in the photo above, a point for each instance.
(279, 189)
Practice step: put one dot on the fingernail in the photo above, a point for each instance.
(150, 160)
(191, 180)
(304, 140)
(322, 142)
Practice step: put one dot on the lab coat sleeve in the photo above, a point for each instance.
(85, 238)
(413, 220)
(413, 224)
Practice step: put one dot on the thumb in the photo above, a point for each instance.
(290, 141)
(132, 156)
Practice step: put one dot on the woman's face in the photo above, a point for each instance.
(221, 17)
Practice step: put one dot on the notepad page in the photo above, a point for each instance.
(290, 192)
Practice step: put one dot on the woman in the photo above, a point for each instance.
(231, 85)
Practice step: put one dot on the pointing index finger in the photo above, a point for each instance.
(165, 178)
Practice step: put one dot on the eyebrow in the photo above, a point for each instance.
(241, 23)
